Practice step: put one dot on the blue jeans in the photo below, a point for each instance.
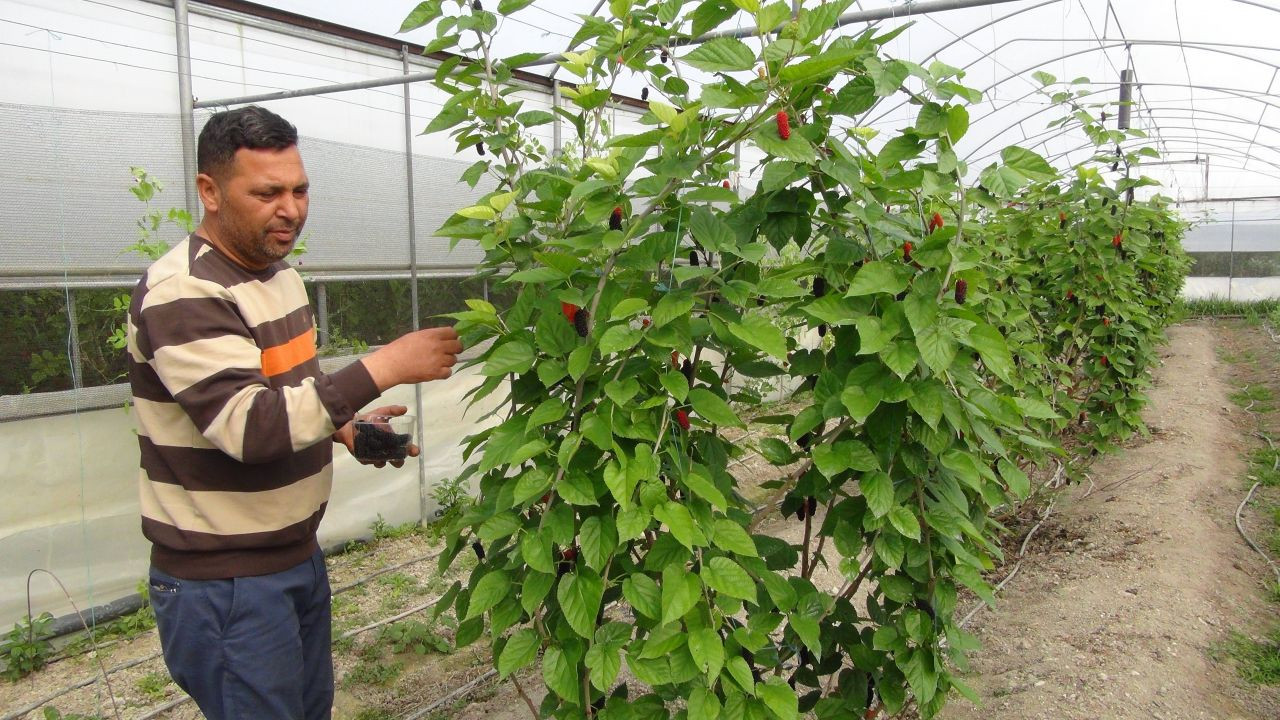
(250, 648)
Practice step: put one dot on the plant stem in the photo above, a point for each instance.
(532, 710)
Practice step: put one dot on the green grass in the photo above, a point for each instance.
(1257, 661)
(1262, 467)
(374, 714)
(153, 684)
(1246, 356)
(374, 672)
(1256, 398)
(382, 530)
(1220, 306)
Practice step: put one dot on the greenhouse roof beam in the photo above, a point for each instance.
(1264, 112)
(846, 19)
(1223, 149)
(1051, 133)
(1106, 44)
(866, 16)
(1235, 92)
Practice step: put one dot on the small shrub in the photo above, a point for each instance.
(27, 648)
(414, 636)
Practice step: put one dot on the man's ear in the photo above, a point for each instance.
(210, 192)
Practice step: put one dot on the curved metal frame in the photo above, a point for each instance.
(1230, 91)
(1225, 150)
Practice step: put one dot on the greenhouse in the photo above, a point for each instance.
(814, 359)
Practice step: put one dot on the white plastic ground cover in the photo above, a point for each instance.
(71, 499)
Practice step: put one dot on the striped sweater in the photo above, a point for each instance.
(234, 416)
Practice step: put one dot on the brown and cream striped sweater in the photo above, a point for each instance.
(234, 415)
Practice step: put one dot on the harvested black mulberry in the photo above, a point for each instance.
(376, 444)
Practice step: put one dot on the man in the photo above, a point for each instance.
(235, 421)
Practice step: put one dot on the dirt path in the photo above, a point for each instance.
(1129, 589)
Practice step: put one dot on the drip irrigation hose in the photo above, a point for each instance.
(455, 695)
(1275, 465)
(1022, 551)
(357, 583)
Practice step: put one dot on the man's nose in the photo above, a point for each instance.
(289, 207)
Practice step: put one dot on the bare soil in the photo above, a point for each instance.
(1127, 596)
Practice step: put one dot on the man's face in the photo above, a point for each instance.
(259, 206)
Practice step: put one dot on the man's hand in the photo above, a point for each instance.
(415, 357)
(346, 435)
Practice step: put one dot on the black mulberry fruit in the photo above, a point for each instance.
(582, 323)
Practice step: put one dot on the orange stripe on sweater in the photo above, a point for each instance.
(283, 358)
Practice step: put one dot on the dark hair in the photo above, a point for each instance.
(250, 127)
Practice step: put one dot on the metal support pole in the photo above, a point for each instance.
(73, 339)
(1206, 176)
(1126, 99)
(1231, 256)
(182, 30)
(557, 144)
(413, 283)
(322, 312)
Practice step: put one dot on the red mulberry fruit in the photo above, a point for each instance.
(784, 126)
(569, 310)
(682, 419)
(906, 251)
(935, 222)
